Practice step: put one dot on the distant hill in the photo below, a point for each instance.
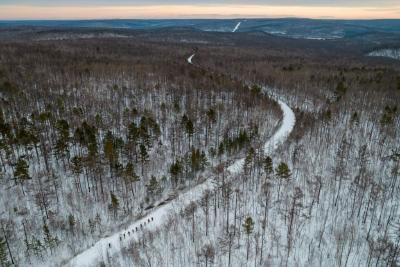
(291, 27)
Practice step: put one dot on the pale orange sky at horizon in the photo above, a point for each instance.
(15, 12)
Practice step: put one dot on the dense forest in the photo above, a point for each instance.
(98, 132)
(94, 134)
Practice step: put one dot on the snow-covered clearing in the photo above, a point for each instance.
(237, 27)
(113, 244)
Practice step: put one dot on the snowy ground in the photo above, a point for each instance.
(390, 53)
(113, 244)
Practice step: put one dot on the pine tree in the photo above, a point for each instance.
(248, 229)
(189, 127)
(283, 171)
(88, 138)
(211, 118)
(62, 143)
(248, 160)
(37, 246)
(76, 167)
(340, 90)
(175, 170)
(129, 174)
(114, 204)
(203, 160)
(153, 188)
(221, 149)
(109, 148)
(133, 137)
(21, 172)
(3, 253)
(144, 156)
(211, 115)
(144, 131)
(49, 240)
(268, 166)
(92, 226)
(71, 223)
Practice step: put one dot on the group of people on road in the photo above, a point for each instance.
(133, 230)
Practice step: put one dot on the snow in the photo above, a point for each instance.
(288, 122)
(236, 27)
(189, 60)
(113, 244)
(278, 138)
(390, 53)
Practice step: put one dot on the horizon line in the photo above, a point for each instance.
(192, 18)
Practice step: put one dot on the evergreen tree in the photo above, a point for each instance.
(144, 156)
(176, 106)
(153, 188)
(211, 115)
(175, 170)
(203, 160)
(71, 222)
(49, 240)
(248, 229)
(195, 160)
(129, 174)
(268, 166)
(76, 165)
(188, 126)
(133, 137)
(354, 118)
(62, 143)
(110, 149)
(89, 139)
(37, 246)
(340, 90)
(114, 204)
(249, 160)
(389, 115)
(144, 131)
(3, 253)
(221, 149)
(283, 171)
(21, 172)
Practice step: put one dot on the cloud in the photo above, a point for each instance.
(335, 3)
(188, 10)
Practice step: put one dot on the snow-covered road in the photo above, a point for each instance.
(113, 244)
(236, 27)
(280, 136)
(189, 60)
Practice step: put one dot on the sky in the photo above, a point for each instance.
(142, 9)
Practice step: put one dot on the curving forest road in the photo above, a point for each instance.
(112, 244)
